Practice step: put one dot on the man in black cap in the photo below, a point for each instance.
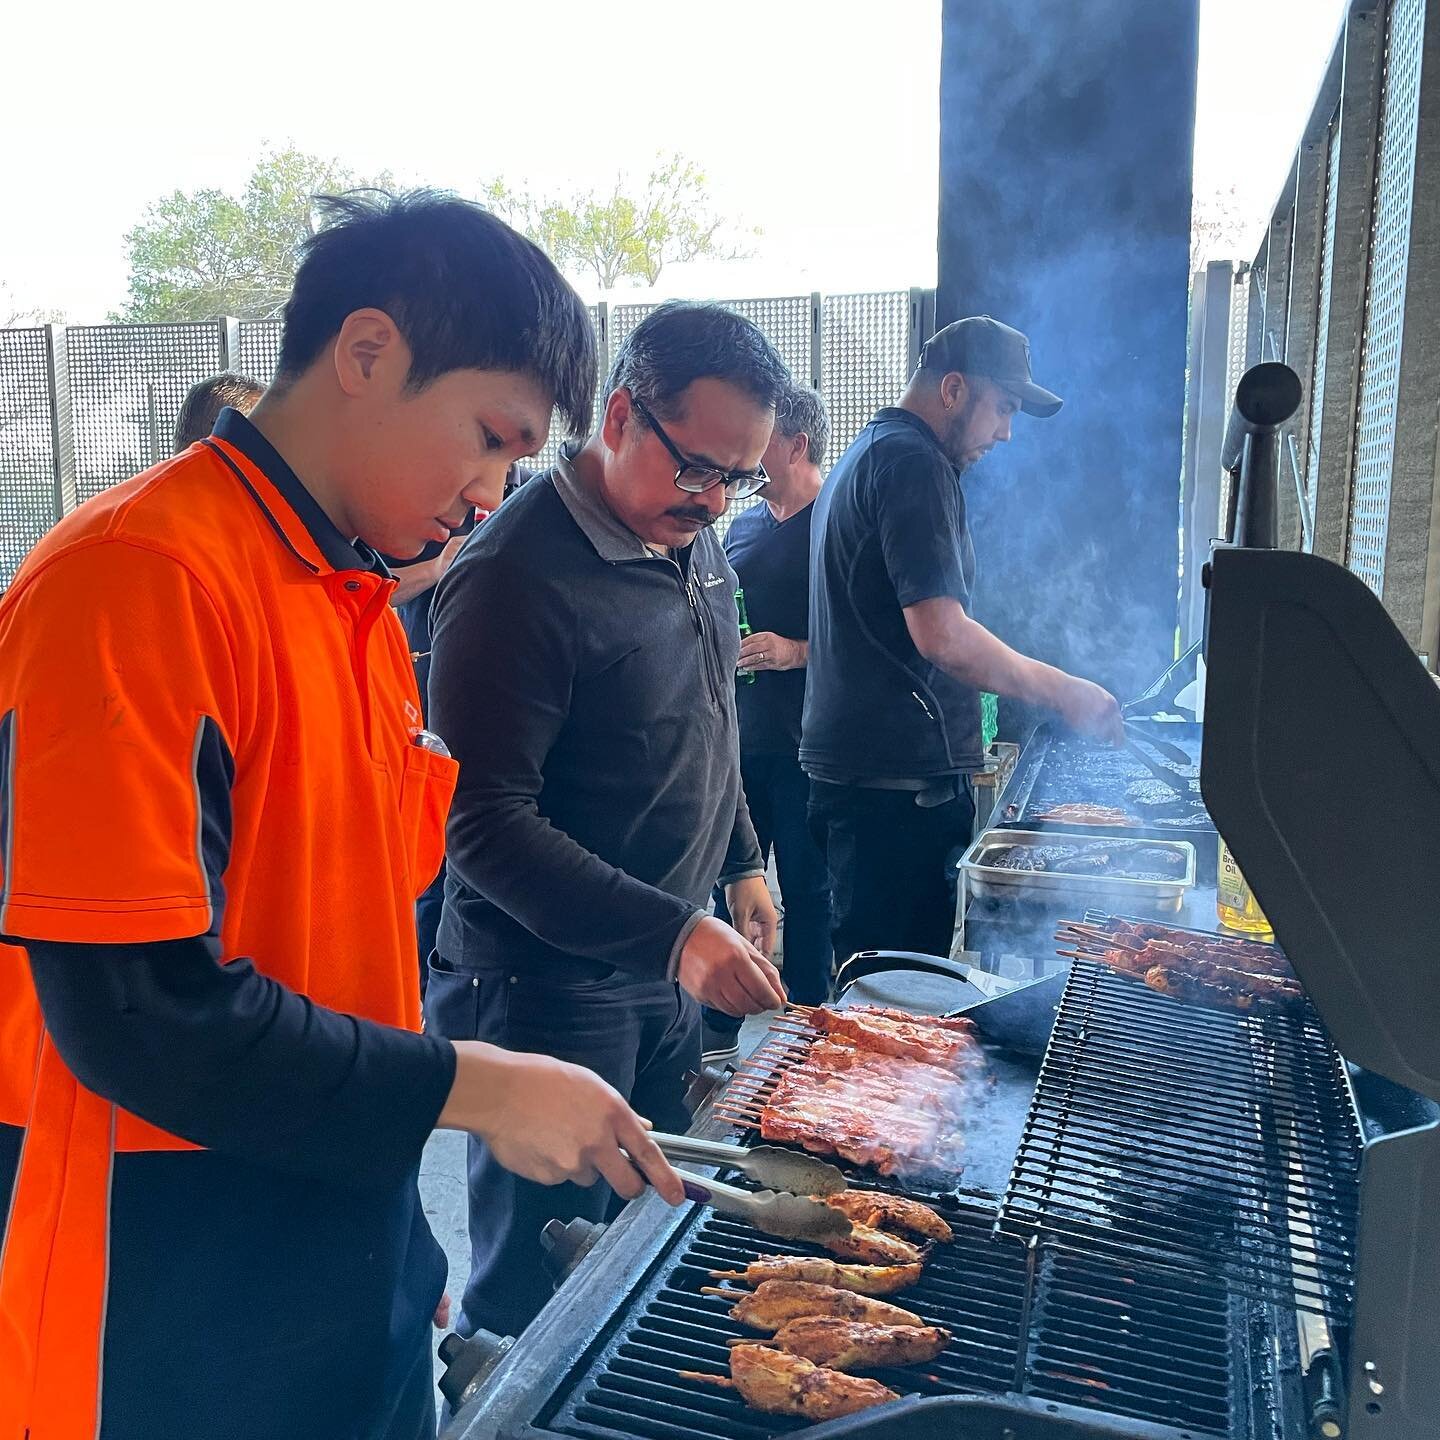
(891, 730)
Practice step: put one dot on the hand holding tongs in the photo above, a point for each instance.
(786, 1209)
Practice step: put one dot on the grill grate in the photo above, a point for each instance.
(1111, 1336)
(974, 1286)
(1101, 1336)
(1170, 1136)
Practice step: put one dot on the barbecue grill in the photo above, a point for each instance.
(1171, 1222)
(1056, 768)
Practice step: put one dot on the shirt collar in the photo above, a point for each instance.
(909, 417)
(613, 541)
(291, 509)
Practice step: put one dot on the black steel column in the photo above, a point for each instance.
(1065, 160)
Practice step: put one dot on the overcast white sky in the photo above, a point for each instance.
(812, 120)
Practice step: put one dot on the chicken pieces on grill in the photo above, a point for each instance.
(859, 1345)
(858, 1279)
(774, 1302)
(869, 1246)
(782, 1384)
(890, 1212)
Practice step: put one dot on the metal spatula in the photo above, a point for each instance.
(769, 1165)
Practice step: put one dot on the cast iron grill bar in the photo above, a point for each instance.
(1183, 1137)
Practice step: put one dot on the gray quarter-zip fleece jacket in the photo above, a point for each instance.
(586, 686)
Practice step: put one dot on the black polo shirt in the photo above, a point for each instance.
(772, 560)
(889, 531)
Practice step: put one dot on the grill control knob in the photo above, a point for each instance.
(565, 1245)
(468, 1363)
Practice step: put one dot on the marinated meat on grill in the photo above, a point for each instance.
(1080, 812)
(859, 1345)
(873, 1247)
(893, 1032)
(891, 1212)
(886, 1111)
(781, 1384)
(1248, 955)
(859, 1279)
(774, 1302)
(1176, 967)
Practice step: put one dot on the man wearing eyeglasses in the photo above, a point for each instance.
(584, 651)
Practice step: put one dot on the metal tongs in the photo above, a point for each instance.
(1134, 736)
(785, 1208)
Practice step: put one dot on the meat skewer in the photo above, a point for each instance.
(890, 1212)
(856, 1344)
(892, 1032)
(774, 1302)
(858, 1279)
(781, 1384)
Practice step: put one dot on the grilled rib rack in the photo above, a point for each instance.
(1189, 1139)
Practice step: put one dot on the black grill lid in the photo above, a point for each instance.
(1321, 768)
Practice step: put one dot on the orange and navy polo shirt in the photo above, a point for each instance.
(209, 734)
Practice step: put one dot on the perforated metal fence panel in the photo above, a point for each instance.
(1385, 295)
(1322, 328)
(785, 322)
(28, 504)
(865, 347)
(550, 451)
(126, 385)
(259, 349)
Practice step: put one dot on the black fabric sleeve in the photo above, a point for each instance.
(505, 653)
(230, 1059)
(742, 855)
(920, 517)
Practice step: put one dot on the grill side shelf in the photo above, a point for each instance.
(1188, 1140)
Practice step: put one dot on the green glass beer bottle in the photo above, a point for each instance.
(746, 677)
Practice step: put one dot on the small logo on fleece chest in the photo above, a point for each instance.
(711, 581)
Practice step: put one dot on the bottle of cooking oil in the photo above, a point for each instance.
(1235, 904)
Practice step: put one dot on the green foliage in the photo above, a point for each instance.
(200, 255)
(628, 233)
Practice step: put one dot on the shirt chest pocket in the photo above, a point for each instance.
(427, 785)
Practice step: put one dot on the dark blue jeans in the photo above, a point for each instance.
(641, 1036)
(778, 794)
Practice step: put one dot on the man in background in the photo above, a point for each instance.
(205, 400)
(585, 647)
(769, 547)
(891, 729)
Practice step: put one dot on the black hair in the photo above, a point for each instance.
(205, 400)
(682, 341)
(466, 291)
(802, 409)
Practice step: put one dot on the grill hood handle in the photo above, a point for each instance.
(877, 962)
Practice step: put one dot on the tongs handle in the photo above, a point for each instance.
(699, 1152)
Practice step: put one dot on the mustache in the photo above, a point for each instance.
(691, 512)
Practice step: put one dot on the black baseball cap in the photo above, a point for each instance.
(982, 346)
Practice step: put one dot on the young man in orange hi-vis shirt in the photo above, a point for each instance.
(217, 806)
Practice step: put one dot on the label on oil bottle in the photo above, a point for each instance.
(1230, 887)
